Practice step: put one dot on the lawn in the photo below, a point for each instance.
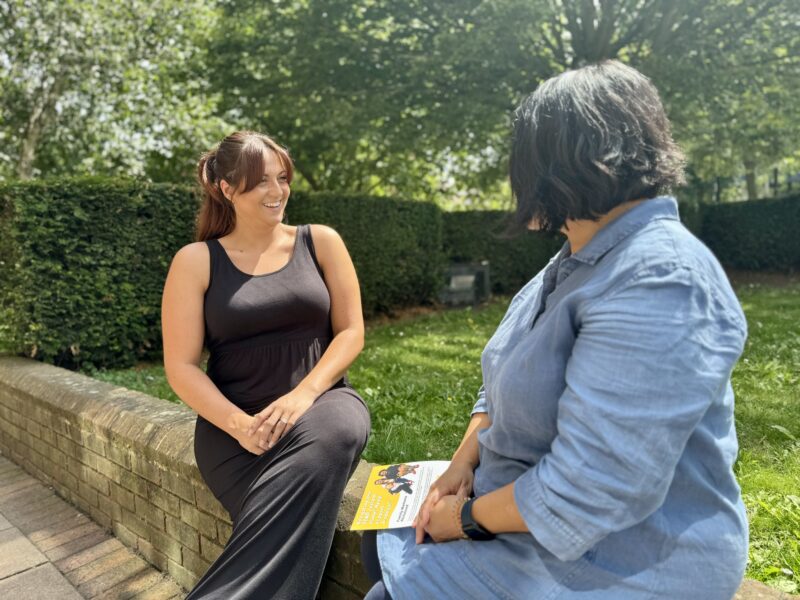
(419, 376)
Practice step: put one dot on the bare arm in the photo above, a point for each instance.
(348, 339)
(183, 330)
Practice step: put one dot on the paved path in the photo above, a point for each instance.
(50, 551)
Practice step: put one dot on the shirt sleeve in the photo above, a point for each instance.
(647, 362)
(480, 405)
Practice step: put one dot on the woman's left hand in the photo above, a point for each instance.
(444, 524)
(280, 416)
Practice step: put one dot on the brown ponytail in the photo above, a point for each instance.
(239, 160)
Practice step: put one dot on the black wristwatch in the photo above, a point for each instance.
(470, 527)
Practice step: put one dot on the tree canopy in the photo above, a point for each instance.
(411, 98)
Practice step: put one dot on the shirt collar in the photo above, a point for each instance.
(662, 207)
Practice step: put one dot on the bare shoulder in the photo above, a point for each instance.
(192, 261)
(324, 235)
(328, 246)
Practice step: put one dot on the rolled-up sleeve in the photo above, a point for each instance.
(647, 362)
(480, 404)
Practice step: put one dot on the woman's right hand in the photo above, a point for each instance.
(240, 431)
(455, 481)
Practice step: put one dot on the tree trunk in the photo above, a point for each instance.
(42, 113)
(750, 177)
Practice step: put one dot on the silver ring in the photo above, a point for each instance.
(284, 421)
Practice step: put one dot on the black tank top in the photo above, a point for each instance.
(265, 332)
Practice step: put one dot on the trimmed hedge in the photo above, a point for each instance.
(83, 261)
(396, 245)
(756, 235)
(474, 236)
(86, 265)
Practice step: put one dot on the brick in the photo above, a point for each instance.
(180, 486)
(135, 566)
(136, 584)
(184, 533)
(98, 482)
(165, 590)
(208, 503)
(77, 468)
(123, 534)
(99, 517)
(33, 428)
(48, 436)
(88, 493)
(119, 455)
(202, 522)
(194, 562)
(123, 497)
(145, 468)
(66, 536)
(107, 468)
(182, 575)
(164, 500)
(88, 458)
(150, 513)
(66, 479)
(60, 519)
(78, 545)
(209, 550)
(88, 555)
(98, 566)
(94, 442)
(109, 507)
(224, 532)
(67, 446)
(165, 545)
(151, 554)
(131, 481)
(136, 525)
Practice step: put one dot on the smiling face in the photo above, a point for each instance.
(266, 202)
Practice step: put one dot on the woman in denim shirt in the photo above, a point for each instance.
(598, 461)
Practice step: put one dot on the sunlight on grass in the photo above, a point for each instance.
(420, 377)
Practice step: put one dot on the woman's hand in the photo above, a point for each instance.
(444, 523)
(279, 417)
(240, 431)
(455, 481)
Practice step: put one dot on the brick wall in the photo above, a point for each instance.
(127, 460)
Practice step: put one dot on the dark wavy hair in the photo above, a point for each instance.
(239, 160)
(588, 140)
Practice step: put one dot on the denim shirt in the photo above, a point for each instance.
(608, 388)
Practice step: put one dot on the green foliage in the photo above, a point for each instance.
(767, 386)
(475, 236)
(755, 235)
(395, 244)
(89, 261)
(84, 261)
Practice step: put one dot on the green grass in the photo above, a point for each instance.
(420, 375)
(767, 386)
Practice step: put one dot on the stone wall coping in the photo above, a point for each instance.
(153, 427)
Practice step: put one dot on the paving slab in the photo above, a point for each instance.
(52, 551)
(18, 554)
(44, 582)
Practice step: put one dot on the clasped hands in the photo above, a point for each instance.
(439, 516)
(260, 432)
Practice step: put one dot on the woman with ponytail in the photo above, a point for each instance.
(279, 429)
